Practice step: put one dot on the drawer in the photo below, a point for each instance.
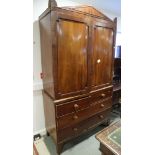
(83, 126)
(76, 117)
(73, 106)
(101, 95)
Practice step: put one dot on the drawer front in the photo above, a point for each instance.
(83, 126)
(101, 95)
(76, 117)
(73, 106)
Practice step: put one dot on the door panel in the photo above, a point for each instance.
(72, 56)
(102, 56)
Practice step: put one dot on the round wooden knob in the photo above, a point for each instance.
(75, 129)
(103, 95)
(75, 117)
(101, 116)
(76, 106)
(102, 105)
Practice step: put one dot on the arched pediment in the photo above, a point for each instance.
(89, 10)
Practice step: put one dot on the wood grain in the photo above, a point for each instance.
(83, 127)
(77, 117)
(102, 56)
(46, 54)
(72, 56)
(77, 46)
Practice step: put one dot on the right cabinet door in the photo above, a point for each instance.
(102, 56)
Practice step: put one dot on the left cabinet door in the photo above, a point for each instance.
(72, 57)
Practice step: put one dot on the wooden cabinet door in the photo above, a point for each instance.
(102, 56)
(72, 38)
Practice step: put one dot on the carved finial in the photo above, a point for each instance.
(52, 3)
(115, 21)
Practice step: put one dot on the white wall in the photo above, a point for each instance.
(38, 113)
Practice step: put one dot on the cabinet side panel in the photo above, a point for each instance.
(49, 112)
(46, 54)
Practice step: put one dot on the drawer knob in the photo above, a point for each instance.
(102, 105)
(101, 116)
(75, 129)
(75, 117)
(103, 95)
(76, 106)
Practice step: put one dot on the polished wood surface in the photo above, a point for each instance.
(109, 146)
(72, 56)
(102, 56)
(77, 61)
(49, 111)
(101, 95)
(73, 106)
(46, 56)
(89, 10)
(87, 74)
(83, 103)
(105, 150)
(82, 127)
(76, 117)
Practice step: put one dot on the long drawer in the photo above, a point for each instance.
(84, 126)
(83, 103)
(76, 117)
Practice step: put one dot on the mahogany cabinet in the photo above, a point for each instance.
(77, 48)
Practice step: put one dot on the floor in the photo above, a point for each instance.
(84, 145)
